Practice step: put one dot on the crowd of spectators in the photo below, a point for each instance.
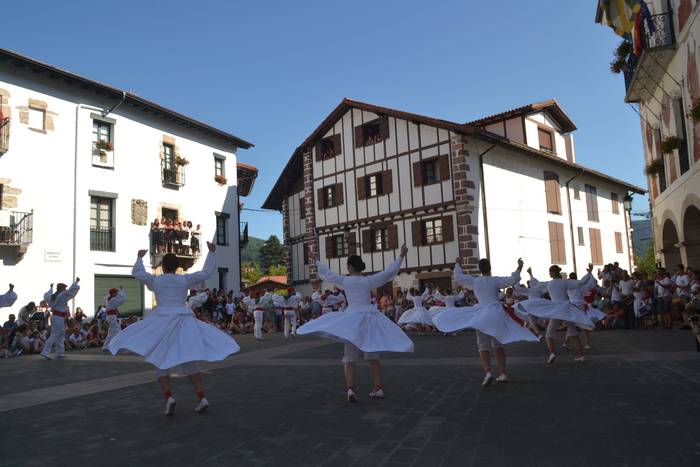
(175, 236)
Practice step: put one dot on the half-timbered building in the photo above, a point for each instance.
(370, 178)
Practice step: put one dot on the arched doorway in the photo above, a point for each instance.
(691, 236)
(670, 250)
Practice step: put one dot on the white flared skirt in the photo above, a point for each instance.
(565, 311)
(593, 313)
(169, 338)
(491, 319)
(416, 315)
(364, 327)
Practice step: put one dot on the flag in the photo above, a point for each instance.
(619, 15)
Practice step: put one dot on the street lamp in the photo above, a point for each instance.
(627, 204)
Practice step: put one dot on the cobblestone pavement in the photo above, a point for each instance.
(634, 402)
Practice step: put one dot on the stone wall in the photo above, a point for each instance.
(465, 195)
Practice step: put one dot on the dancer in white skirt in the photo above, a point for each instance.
(58, 302)
(172, 338)
(362, 327)
(115, 299)
(449, 300)
(559, 309)
(577, 297)
(532, 291)
(264, 302)
(289, 304)
(8, 299)
(417, 315)
(495, 324)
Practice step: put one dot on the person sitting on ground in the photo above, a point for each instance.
(76, 338)
(24, 343)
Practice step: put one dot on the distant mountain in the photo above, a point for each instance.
(251, 253)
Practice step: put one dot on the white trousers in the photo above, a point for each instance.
(258, 318)
(290, 318)
(58, 336)
(113, 330)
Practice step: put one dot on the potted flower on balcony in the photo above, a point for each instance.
(179, 160)
(694, 111)
(220, 179)
(670, 143)
(102, 147)
(621, 53)
(654, 167)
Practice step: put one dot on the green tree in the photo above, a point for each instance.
(271, 254)
(279, 270)
(647, 262)
(251, 272)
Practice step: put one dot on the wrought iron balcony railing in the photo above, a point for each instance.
(102, 239)
(4, 135)
(661, 35)
(172, 174)
(19, 230)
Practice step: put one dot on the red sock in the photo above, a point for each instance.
(200, 395)
(167, 394)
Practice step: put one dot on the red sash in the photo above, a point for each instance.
(112, 312)
(60, 314)
(511, 312)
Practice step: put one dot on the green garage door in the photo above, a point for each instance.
(133, 288)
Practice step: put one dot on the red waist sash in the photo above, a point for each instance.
(112, 312)
(61, 314)
(511, 313)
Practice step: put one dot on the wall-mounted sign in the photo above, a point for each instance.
(54, 256)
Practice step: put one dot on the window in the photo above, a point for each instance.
(219, 166)
(328, 148)
(557, 246)
(302, 208)
(615, 203)
(380, 239)
(552, 192)
(662, 173)
(169, 155)
(592, 203)
(341, 246)
(375, 184)
(580, 236)
(223, 272)
(173, 172)
(577, 192)
(170, 214)
(305, 252)
(618, 242)
(429, 171)
(337, 246)
(372, 132)
(431, 231)
(222, 228)
(546, 139)
(37, 119)
(679, 117)
(596, 246)
(102, 145)
(330, 196)
(101, 224)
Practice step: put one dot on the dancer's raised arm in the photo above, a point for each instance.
(513, 279)
(461, 278)
(381, 278)
(207, 270)
(139, 271)
(575, 283)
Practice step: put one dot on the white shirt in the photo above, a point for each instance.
(661, 290)
(8, 299)
(486, 288)
(627, 287)
(116, 301)
(558, 288)
(60, 303)
(682, 284)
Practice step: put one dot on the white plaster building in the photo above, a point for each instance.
(69, 208)
(663, 81)
(370, 178)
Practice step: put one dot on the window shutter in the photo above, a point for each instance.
(618, 242)
(359, 136)
(384, 127)
(367, 241)
(444, 167)
(317, 149)
(339, 194)
(329, 247)
(592, 203)
(596, 246)
(416, 232)
(393, 236)
(418, 173)
(352, 243)
(580, 235)
(361, 187)
(557, 246)
(552, 192)
(321, 199)
(387, 182)
(615, 203)
(447, 229)
(561, 244)
(337, 144)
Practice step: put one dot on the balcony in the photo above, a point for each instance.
(185, 244)
(172, 175)
(16, 230)
(101, 239)
(244, 234)
(4, 136)
(644, 72)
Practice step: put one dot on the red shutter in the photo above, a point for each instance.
(387, 182)
(444, 167)
(361, 188)
(384, 127)
(321, 199)
(447, 229)
(330, 250)
(367, 241)
(417, 233)
(393, 236)
(418, 173)
(359, 136)
(352, 243)
(339, 194)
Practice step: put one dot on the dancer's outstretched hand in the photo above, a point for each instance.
(404, 251)
(12, 286)
(142, 253)
(529, 271)
(77, 279)
(458, 260)
(590, 267)
(520, 264)
(211, 246)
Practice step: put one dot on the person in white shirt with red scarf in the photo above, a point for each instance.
(115, 299)
(58, 302)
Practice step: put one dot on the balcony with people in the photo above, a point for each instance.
(176, 236)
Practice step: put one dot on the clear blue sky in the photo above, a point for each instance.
(270, 71)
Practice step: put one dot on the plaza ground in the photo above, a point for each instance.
(634, 402)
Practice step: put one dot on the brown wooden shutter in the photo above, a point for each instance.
(393, 236)
(330, 250)
(618, 242)
(552, 192)
(339, 194)
(596, 246)
(417, 232)
(552, 243)
(384, 127)
(418, 173)
(592, 203)
(367, 241)
(387, 182)
(317, 149)
(361, 187)
(444, 167)
(615, 203)
(545, 138)
(321, 199)
(561, 244)
(352, 243)
(447, 229)
(337, 144)
(557, 247)
(359, 136)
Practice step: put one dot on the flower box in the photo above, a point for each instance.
(220, 179)
(670, 143)
(654, 167)
(181, 160)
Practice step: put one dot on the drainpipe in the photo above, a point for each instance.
(571, 219)
(483, 200)
(114, 107)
